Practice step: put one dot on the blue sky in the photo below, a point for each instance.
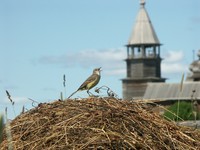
(40, 40)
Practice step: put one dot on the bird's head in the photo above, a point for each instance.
(97, 71)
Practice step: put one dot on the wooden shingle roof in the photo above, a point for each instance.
(171, 91)
(143, 31)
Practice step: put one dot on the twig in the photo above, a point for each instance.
(12, 102)
(180, 93)
(110, 93)
(64, 84)
(33, 101)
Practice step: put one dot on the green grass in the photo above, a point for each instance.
(185, 112)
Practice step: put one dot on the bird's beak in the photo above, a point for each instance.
(99, 69)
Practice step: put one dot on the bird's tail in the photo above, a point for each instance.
(72, 94)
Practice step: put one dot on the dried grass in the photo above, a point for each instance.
(98, 123)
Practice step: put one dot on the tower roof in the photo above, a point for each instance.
(143, 32)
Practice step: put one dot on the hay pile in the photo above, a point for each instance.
(98, 123)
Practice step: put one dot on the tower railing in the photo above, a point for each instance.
(140, 55)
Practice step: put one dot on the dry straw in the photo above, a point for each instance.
(98, 123)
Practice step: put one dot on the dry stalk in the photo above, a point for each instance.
(95, 123)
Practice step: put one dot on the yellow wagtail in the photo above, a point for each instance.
(91, 81)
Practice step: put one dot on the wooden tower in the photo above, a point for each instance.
(143, 57)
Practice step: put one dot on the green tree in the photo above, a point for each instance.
(185, 112)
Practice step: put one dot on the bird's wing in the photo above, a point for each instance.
(90, 79)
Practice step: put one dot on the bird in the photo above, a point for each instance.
(90, 82)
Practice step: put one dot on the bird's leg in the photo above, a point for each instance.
(90, 94)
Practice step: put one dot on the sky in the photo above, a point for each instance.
(42, 40)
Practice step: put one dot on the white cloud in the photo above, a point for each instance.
(111, 60)
(170, 68)
(174, 63)
(173, 56)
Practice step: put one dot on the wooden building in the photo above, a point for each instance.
(194, 75)
(143, 57)
(168, 93)
(190, 89)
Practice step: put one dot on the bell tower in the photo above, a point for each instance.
(143, 57)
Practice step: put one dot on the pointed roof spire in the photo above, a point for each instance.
(143, 31)
(142, 3)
